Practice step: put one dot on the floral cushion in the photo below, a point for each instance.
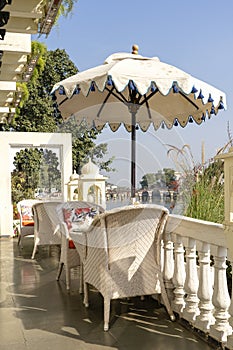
(79, 219)
(26, 215)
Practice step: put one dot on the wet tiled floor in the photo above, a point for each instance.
(36, 312)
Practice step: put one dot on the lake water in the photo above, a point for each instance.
(173, 207)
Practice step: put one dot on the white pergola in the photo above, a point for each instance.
(59, 141)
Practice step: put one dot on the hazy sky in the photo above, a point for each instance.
(196, 36)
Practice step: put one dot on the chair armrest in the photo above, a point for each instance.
(64, 230)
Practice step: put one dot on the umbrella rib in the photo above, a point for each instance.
(65, 99)
(122, 99)
(188, 99)
(105, 100)
(148, 108)
(146, 98)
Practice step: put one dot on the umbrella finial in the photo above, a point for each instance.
(135, 49)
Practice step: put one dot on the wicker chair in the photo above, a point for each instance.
(122, 259)
(46, 225)
(69, 256)
(26, 225)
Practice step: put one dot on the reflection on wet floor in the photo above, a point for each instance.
(36, 312)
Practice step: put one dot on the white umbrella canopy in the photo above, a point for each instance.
(136, 91)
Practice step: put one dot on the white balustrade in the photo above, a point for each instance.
(200, 295)
(221, 300)
(205, 290)
(179, 276)
(191, 282)
(168, 270)
(230, 338)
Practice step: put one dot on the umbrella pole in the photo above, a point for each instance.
(133, 156)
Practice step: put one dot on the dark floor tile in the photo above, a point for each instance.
(37, 312)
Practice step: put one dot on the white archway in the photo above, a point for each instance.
(9, 140)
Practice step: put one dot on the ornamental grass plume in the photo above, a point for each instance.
(207, 199)
(202, 189)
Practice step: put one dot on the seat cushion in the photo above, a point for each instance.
(28, 223)
(71, 244)
(26, 215)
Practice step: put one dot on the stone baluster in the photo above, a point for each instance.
(179, 276)
(191, 283)
(230, 338)
(221, 299)
(168, 269)
(205, 290)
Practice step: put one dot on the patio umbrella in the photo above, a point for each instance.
(136, 91)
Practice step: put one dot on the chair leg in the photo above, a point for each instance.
(81, 279)
(166, 302)
(59, 271)
(34, 251)
(85, 300)
(67, 278)
(36, 243)
(19, 239)
(106, 313)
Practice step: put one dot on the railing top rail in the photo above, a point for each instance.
(201, 230)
